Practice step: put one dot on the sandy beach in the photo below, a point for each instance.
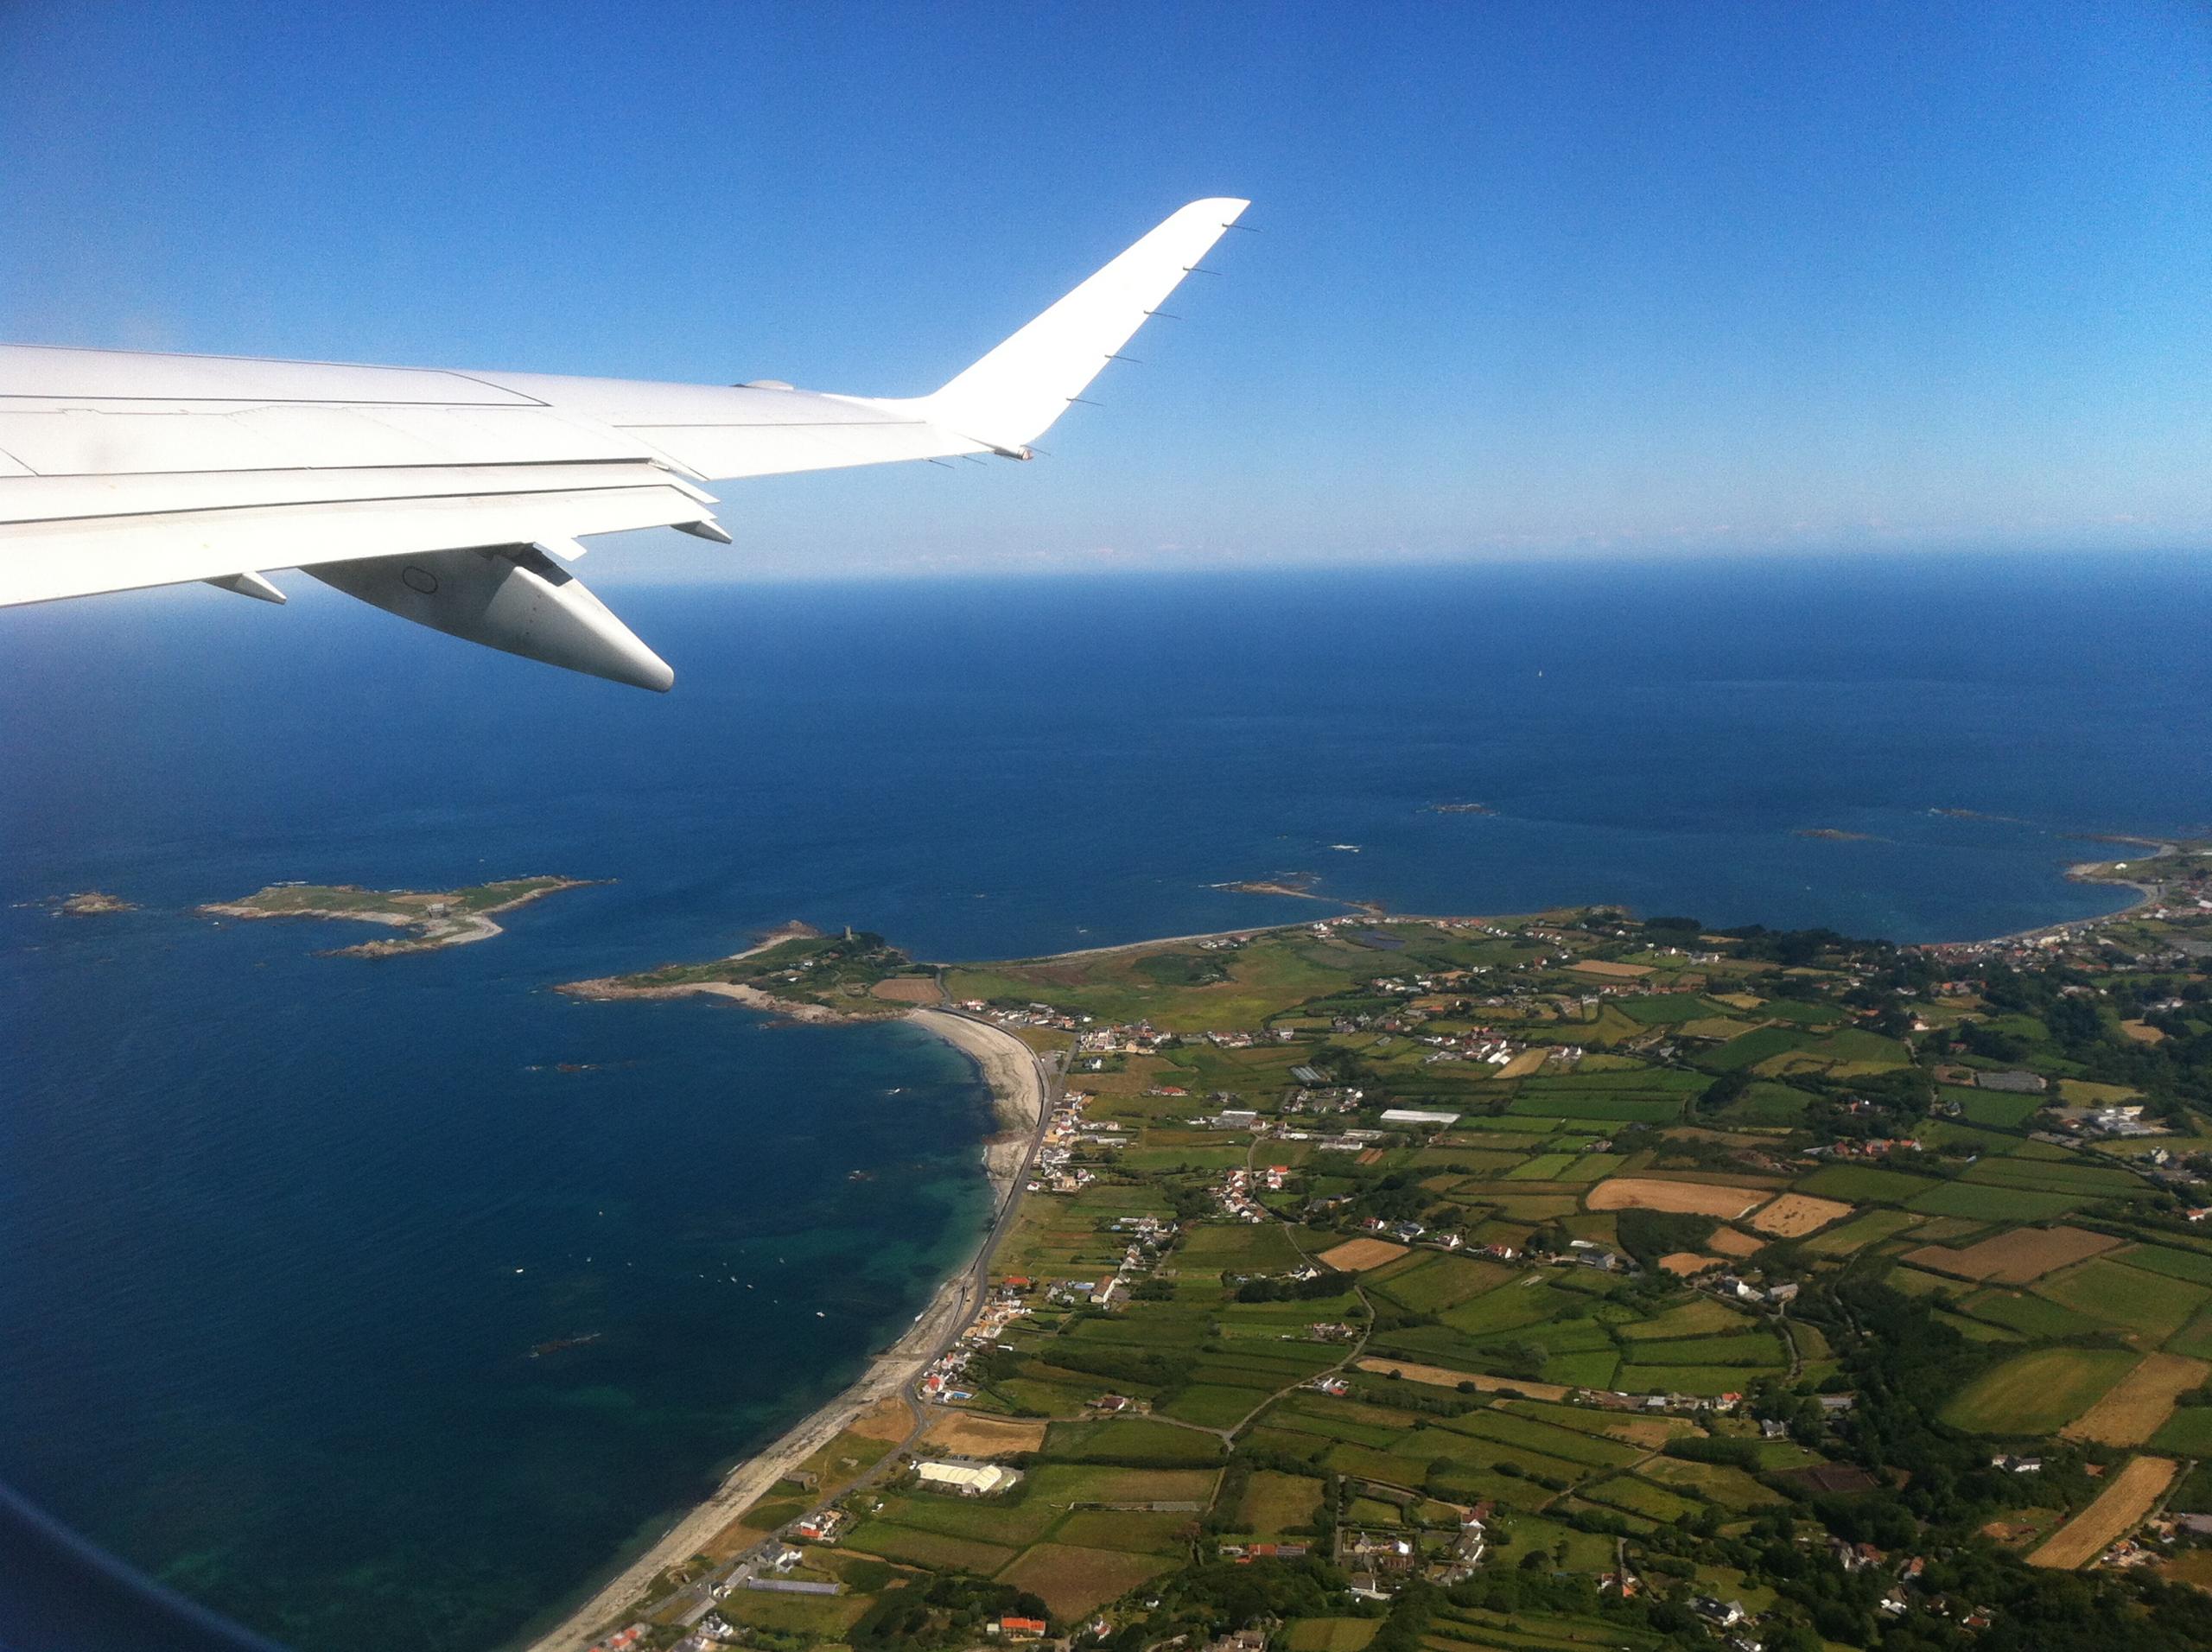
(1018, 1088)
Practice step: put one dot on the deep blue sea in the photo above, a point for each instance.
(277, 1231)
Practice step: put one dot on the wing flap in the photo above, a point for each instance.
(82, 557)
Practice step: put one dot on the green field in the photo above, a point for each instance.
(1129, 1440)
(2192, 1265)
(1870, 1228)
(1757, 1348)
(928, 1548)
(1438, 1282)
(1627, 1108)
(1537, 1435)
(1641, 1496)
(2034, 1316)
(2038, 1393)
(1716, 1482)
(1213, 1406)
(1985, 1204)
(1275, 1504)
(2149, 1306)
(1755, 1047)
(2188, 1429)
(1864, 1184)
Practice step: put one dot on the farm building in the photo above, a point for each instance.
(969, 1479)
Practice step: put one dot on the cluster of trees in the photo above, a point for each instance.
(1648, 1234)
(1328, 1282)
(947, 1608)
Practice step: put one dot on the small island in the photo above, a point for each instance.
(436, 917)
(92, 903)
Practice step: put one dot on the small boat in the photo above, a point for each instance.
(560, 1342)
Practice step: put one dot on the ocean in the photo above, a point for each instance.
(280, 1231)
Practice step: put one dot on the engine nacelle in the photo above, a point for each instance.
(510, 597)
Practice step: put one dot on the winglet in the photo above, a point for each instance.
(1013, 395)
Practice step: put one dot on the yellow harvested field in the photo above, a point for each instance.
(1358, 1256)
(1683, 1263)
(909, 989)
(1684, 1198)
(1795, 1215)
(964, 1434)
(1526, 1062)
(2014, 1258)
(2129, 1496)
(1438, 1376)
(1616, 972)
(884, 1419)
(1728, 1242)
(2135, 1407)
(2142, 1031)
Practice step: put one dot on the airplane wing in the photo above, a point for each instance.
(437, 495)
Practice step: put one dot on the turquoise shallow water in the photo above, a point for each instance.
(262, 1212)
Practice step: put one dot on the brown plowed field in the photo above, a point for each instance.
(1358, 1256)
(960, 1433)
(2014, 1258)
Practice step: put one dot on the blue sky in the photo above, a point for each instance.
(1534, 280)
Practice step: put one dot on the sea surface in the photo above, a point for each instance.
(279, 1231)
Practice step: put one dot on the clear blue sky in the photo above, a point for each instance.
(1585, 279)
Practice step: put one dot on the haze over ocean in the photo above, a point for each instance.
(282, 1228)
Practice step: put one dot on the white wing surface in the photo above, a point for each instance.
(435, 494)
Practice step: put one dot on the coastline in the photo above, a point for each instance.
(2146, 894)
(1018, 1093)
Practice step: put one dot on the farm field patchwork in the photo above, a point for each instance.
(1495, 1327)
